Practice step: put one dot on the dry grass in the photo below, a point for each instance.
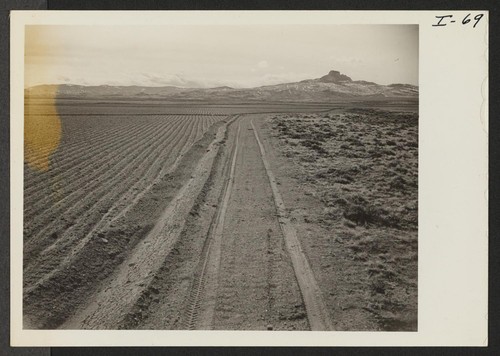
(363, 166)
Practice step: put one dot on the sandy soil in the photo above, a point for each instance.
(257, 287)
(245, 222)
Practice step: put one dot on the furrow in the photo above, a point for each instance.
(64, 160)
(110, 153)
(105, 174)
(99, 137)
(141, 187)
(82, 242)
(84, 172)
(104, 191)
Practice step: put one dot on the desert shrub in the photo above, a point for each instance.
(358, 199)
(355, 141)
(374, 153)
(333, 197)
(319, 136)
(398, 183)
(346, 179)
(341, 202)
(370, 172)
(402, 169)
(359, 214)
(315, 145)
(322, 174)
(342, 171)
(352, 154)
(309, 158)
(367, 214)
(388, 152)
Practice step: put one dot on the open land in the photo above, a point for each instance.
(154, 214)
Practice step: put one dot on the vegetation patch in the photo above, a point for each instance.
(362, 164)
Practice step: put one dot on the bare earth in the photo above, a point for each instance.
(242, 218)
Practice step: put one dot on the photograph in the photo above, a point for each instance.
(248, 178)
(204, 177)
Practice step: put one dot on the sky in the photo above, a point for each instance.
(217, 55)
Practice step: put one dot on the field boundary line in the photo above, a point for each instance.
(317, 312)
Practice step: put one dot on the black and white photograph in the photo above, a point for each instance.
(206, 176)
(230, 178)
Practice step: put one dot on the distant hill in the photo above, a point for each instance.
(332, 87)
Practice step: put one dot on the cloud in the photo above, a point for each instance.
(180, 79)
(177, 80)
(64, 79)
(260, 66)
(276, 78)
(346, 60)
(263, 65)
(184, 81)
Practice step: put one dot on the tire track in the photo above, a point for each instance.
(201, 301)
(317, 312)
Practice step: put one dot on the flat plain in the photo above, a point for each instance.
(148, 214)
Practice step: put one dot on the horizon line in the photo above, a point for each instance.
(187, 88)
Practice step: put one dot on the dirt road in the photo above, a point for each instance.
(257, 288)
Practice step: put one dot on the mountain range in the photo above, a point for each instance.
(331, 87)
